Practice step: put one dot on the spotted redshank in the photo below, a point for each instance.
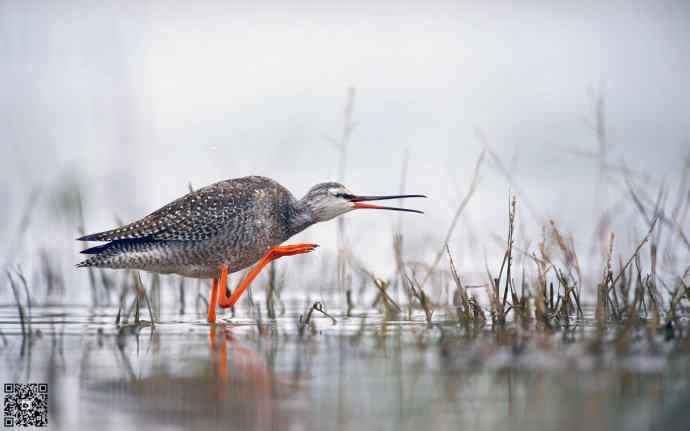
(223, 228)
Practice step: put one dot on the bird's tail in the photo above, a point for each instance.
(98, 249)
(101, 255)
(95, 261)
(86, 263)
(108, 255)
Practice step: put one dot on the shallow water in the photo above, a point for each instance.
(360, 373)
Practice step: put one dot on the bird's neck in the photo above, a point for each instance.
(301, 217)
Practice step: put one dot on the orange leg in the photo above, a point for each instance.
(275, 253)
(213, 301)
(219, 355)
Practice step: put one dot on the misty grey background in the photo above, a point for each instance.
(134, 100)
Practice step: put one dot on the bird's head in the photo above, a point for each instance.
(329, 200)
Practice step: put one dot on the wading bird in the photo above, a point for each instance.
(224, 228)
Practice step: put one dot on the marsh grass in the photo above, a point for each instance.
(141, 297)
(417, 292)
(552, 294)
(537, 285)
(274, 288)
(305, 320)
(20, 307)
(536, 288)
(391, 308)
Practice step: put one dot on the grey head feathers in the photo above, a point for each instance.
(327, 201)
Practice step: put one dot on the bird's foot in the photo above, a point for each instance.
(290, 250)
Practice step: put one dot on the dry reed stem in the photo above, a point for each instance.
(456, 217)
(421, 296)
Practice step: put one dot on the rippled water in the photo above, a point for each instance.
(359, 373)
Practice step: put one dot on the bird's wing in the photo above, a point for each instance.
(199, 215)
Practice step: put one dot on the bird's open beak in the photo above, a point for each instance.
(358, 202)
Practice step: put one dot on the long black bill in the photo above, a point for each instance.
(357, 200)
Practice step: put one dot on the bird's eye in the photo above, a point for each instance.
(345, 195)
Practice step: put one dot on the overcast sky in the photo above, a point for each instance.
(137, 99)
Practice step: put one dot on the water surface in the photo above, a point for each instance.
(362, 372)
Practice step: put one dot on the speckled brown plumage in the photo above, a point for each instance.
(227, 225)
(232, 222)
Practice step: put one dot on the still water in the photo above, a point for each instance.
(360, 372)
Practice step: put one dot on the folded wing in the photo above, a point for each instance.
(199, 215)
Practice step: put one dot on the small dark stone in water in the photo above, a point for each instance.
(668, 331)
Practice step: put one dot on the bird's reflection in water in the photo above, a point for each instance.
(229, 355)
(230, 387)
